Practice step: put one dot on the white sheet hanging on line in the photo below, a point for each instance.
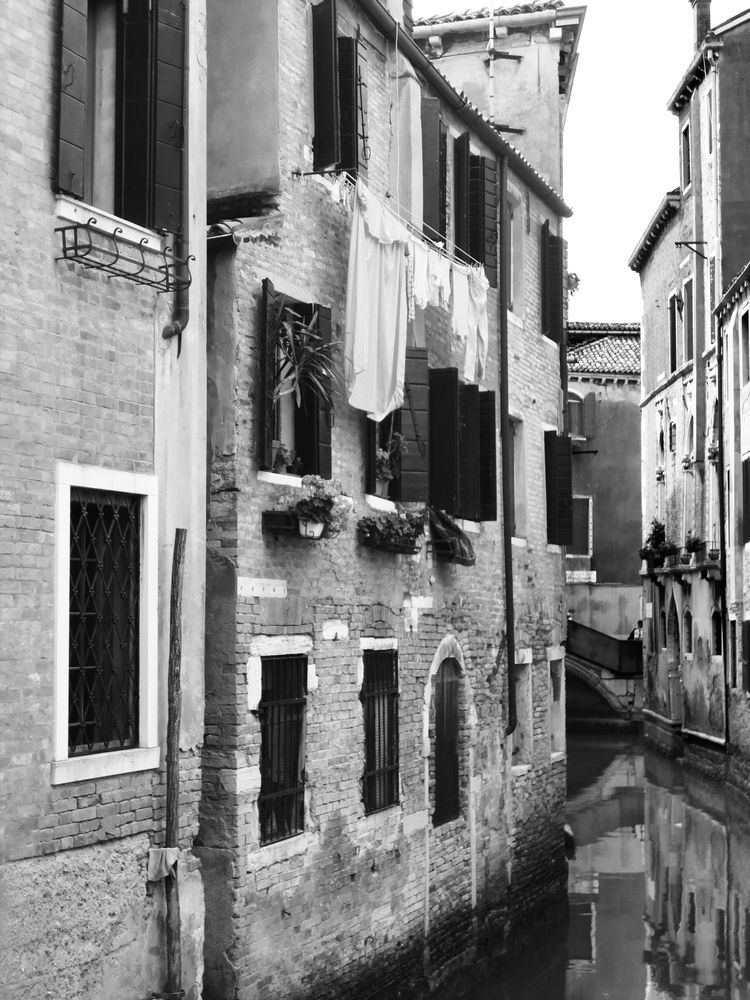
(478, 285)
(460, 327)
(376, 308)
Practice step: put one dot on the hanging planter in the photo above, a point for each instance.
(309, 528)
(449, 542)
(399, 531)
(713, 554)
(320, 512)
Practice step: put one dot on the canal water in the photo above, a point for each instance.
(658, 889)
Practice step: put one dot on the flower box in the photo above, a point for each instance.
(278, 522)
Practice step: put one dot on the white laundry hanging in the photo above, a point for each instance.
(376, 308)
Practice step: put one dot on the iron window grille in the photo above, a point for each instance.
(379, 696)
(447, 681)
(282, 710)
(103, 621)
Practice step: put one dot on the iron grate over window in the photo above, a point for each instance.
(282, 710)
(447, 681)
(379, 696)
(103, 621)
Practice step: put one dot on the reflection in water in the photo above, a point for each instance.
(659, 889)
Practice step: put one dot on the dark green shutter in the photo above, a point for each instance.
(327, 143)
(169, 116)
(512, 473)
(322, 416)
(443, 182)
(468, 452)
(461, 195)
(134, 168)
(588, 415)
(487, 457)
(414, 423)
(552, 285)
(746, 500)
(580, 543)
(370, 431)
(433, 194)
(746, 656)
(348, 103)
(483, 214)
(361, 119)
(272, 306)
(559, 483)
(444, 417)
(71, 155)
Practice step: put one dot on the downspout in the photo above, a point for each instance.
(722, 527)
(505, 446)
(181, 309)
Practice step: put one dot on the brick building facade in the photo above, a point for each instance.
(343, 887)
(688, 259)
(102, 457)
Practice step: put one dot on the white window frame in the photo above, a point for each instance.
(590, 544)
(688, 328)
(709, 119)
(147, 754)
(516, 248)
(685, 185)
(520, 497)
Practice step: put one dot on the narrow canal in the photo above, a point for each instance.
(658, 889)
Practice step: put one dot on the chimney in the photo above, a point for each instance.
(702, 19)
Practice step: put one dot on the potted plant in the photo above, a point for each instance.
(388, 462)
(395, 531)
(656, 547)
(660, 473)
(323, 509)
(303, 359)
(712, 452)
(687, 461)
(285, 460)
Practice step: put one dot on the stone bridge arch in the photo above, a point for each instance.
(614, 692)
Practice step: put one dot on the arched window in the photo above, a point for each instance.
(716, 631)
(673, 633)
(447, 687)
(687, 636)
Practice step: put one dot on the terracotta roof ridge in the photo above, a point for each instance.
(481, 12)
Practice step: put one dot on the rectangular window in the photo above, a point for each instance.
(434, 170)
(462, 431)
(673, 332)
(379, 696)
(514, 213)
(688, 324)
(733, 653)
(518, 480)
(711, 297)
(475, 207)
(746, 656)
(296, 377)
(581, 544)
(685, 160)
(559, 488)
(120, 136)
(282, 710)
(105, 718)
(745, 346)
(523, 733)
(552, 252)
(399, 446)
(557, 706)
(340, 113)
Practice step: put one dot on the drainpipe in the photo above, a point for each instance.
(505, 438)
(181, 310)
(722, 527)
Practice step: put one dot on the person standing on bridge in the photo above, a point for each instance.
(637, 632)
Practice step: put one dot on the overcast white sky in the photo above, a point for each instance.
(621, 143)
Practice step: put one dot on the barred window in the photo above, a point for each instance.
(282, 710)
(103, 621)
(447, 682)
(380, 705)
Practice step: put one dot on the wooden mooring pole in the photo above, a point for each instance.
(174, 695)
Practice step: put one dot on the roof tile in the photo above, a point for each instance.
(619, 354)
(481, 12)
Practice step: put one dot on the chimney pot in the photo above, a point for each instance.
(701, 20)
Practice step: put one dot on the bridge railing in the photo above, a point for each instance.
(621, 656)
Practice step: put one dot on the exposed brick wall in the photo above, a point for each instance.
(329, 911)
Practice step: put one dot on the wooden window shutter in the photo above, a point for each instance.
(327, 142)
(348, 103)
(580, 543)
(371, 443)
(273, 303)
(552, 285)
(169, 116)
(461, 195)
(468, 452)
(487, 457)
(134, 168)
(414, 420)
(483, 214)
(432, 192)
(444, 416)
(559, 482)
(746, 500)
(588, 415)
(361, 114)
(71, 154)
(746, 655)
(443, 183)
(321, 418)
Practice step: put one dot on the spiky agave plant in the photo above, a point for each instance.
(304, 359)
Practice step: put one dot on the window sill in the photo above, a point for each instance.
(379, 503)
(557, 756)
(282, 850)
(105, 765)
(518, 543)
(469, 527)
(280, 479)
(518, 770)
(70, 210)
(515, 320)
